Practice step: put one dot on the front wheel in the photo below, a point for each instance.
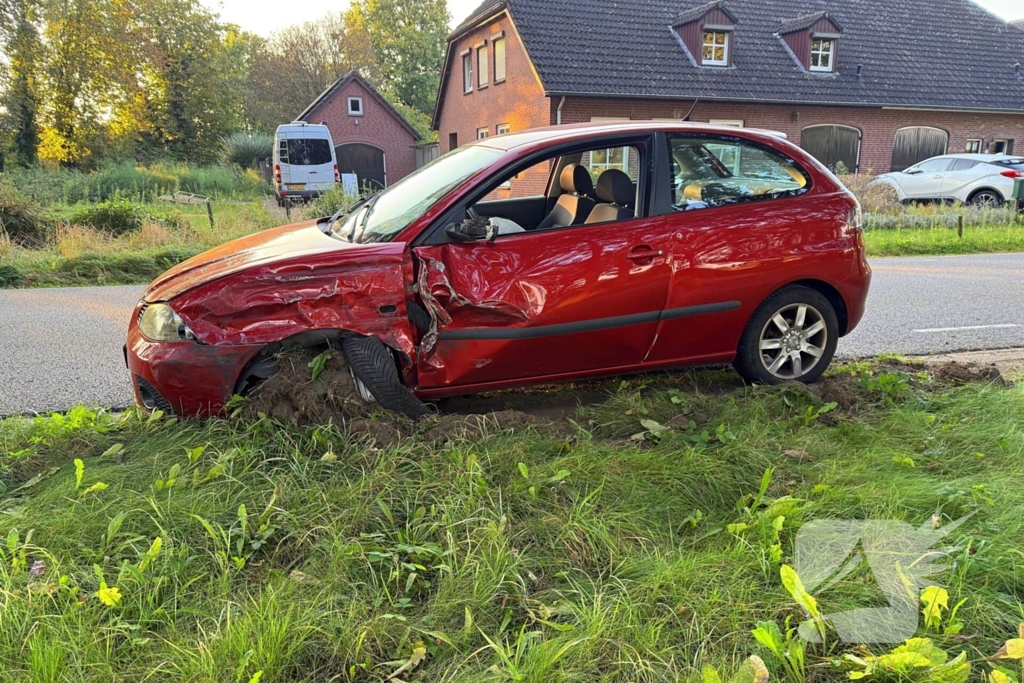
(373, 365)
(791, 336)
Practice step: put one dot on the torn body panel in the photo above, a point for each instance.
(529, 304)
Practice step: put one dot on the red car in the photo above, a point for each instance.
(552, 254)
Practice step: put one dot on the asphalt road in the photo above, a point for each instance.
(61, 347)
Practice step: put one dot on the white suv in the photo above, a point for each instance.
(976, 179)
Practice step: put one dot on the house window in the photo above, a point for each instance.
(1002, 146)
(502, 128)
(467, 72)
(735, 123)
(453, 141)
(355, 106)
(715, 50)
(973, 147)
(482, 133)
(481, 66)
(499, 60)
(823, 54)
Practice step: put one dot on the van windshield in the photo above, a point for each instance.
(393, 210)
(307, 151)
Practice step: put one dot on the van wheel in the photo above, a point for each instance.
(791, 337)
(373, 365)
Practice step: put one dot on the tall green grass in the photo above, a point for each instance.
(578, 555)
(130, 181)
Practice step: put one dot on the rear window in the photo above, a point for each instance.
(1015, 164)
(306, 151)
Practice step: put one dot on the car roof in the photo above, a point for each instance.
(533, 136)
(979, 157)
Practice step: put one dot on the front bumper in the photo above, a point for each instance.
(186, 378)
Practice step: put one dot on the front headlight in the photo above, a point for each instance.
(159, 322)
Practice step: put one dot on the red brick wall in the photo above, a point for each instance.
(878, 126)
(377, 126)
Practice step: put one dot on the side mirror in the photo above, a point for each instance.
(472, 230)
(912, 171)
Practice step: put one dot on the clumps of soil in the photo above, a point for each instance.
(292, 395)
(956, 373)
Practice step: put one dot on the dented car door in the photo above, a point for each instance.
(542, 303)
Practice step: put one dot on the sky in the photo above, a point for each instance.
(266, 16)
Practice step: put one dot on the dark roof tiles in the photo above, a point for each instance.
(916, 53)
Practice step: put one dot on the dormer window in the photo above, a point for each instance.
(706, 34)
(813, 41)
(715, 50)
(823, 52)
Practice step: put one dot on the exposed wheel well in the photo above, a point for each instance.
(974, 194)
(834, 298)
(262, 365)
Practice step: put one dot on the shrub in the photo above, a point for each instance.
(115, 217)
(245, 149)
(20, 219)
(10, 275)
(329, 202)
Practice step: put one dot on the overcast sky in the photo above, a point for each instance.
(266, 16)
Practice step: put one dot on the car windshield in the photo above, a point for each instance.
(393, 210)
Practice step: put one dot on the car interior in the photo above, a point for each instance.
(581, 194)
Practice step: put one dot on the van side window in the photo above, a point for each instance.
(709, 171)
(282, 151)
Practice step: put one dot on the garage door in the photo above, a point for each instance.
(366, 161)
(838, 147)
(917, 143)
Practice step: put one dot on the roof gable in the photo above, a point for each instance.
(698, 13)
(627, 48)
(354, 76)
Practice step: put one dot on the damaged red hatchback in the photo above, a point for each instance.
(551, 254)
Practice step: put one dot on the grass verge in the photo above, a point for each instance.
(943, 240)
(627, 545)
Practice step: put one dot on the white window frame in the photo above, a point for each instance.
(483, 133)
(499, 76)
(821, 53)
(724, 61)
(502, 129)
(1006, 145)
(732, 123)
(352, 112)
(973, 146)
(467, 72)
(483, 68)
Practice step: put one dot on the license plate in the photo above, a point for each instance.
(299, 186)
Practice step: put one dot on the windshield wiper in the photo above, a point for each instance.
(370, 201)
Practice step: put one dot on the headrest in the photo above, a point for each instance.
(615, 186)
(576, 179)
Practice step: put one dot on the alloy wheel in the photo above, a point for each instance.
(986, 200)
(793, 341)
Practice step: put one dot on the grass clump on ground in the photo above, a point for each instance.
(638, 542)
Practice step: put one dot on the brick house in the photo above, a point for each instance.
(861, 84)
(371, 139)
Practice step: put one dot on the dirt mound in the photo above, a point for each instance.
(292, 395)
(954, 372)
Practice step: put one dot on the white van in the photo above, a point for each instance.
(304, 161)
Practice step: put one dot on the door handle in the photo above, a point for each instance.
(643, 254)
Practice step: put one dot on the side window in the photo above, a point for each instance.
(933, 166)
(625, 159)
(708, 171)
(963, 165)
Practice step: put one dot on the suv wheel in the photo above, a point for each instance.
(987, 199)
(791, 336)
(373, 365)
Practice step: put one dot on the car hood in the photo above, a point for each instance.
(259, 249)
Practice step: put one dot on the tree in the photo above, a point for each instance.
(291, 68)
(19, 39)
(408, 39)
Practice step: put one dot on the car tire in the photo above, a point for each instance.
(764, 340)
(987, 198)
(373, 365)
(418, 316)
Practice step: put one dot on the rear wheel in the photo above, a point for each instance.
(987, 199)
(791, 336)
(373, 365)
